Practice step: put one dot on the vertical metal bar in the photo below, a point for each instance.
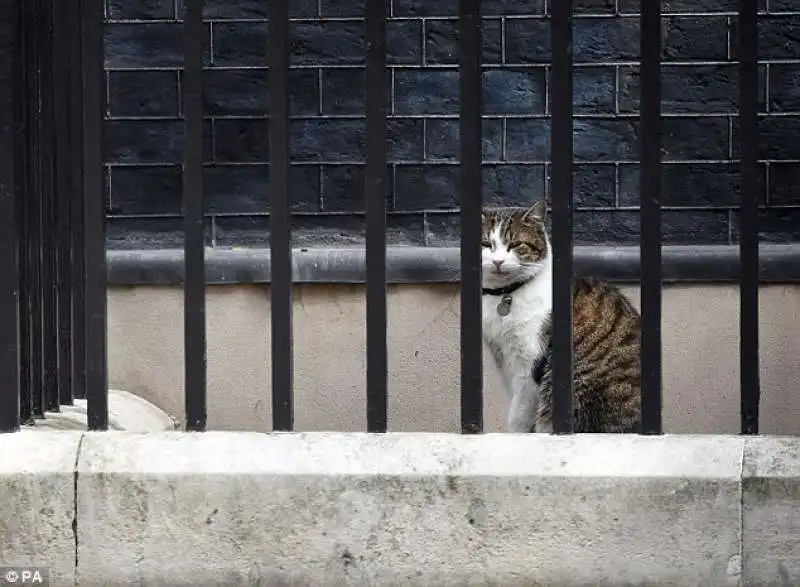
(280, 218)
(561, 157)
(375, 205)
(650, 196)
(24, 203)
(94, 214)
(194, 291)
(10, 97)
(33, 102)
(63, 129)
(78, 286)
(49, 236)
(748, 216)
(470, 131)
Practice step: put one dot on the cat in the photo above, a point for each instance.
(517, 282)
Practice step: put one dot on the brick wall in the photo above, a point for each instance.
(701, 182)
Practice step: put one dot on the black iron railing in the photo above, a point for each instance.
(52, 213)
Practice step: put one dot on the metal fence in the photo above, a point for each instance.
(52, 214)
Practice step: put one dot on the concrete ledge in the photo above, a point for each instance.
(691, 264)
(37, 501)
(403, 509)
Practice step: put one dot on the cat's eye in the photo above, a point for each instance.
(486, 244)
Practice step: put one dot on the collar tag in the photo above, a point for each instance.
(504, 307)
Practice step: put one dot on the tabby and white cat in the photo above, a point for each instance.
(517, 307)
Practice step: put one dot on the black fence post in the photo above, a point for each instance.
(561, 178)
(194, 290)
(10, 102)
(63, 126)
(650, 197)
(470, 132)
(280, 218)
(748, 217)
(74, 105)
(94, 208)
(48, 210)
(375, 206)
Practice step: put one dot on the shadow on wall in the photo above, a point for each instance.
(700, 334)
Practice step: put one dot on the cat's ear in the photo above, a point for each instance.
(537, 212)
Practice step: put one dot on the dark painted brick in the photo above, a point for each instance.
(527, 139)
(512, 185)
(593, 185)
(144, 141)
(782, 5)
(712, 185)
(441, 41)
(343, 188)
(140, 9)
(687, 5)
(527, 41)
(690, 89)
(246, 92)
(330, 43)
(241, 43)
(343, 140)
(245, 189)
(146, 190)
(779, 37)
(593, 90)
(144, 45)
(307, 231)
(254, 9)
(775, 225)
(241, 140)
(695, 138)
(784, 184)
(426, 91)
(784, 87)
(450, 7)
(777, 137)
(426, 187)
(344, 90)
(143, 93)
(593, 6)
(514, 91)
(598, 40)
(677, 227)
(443, 141)
(346, 8)
(148, 233)
(604, 139)
(695, 38)
(507, 7)
(404, 42)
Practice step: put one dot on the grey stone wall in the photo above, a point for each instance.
(701, 182)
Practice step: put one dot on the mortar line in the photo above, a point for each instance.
(75, 506)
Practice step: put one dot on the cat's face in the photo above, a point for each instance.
(514, 244)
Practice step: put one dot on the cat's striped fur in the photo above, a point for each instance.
(606, 331)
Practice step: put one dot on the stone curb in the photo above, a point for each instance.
(401, 509)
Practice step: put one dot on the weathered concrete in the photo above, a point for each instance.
(336, 509)
(321, 509)
(771, 508)
(37, 502)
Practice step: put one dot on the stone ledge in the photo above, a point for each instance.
(690, 264)
(403, 509)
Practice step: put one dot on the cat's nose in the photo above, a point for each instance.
(498, 262)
